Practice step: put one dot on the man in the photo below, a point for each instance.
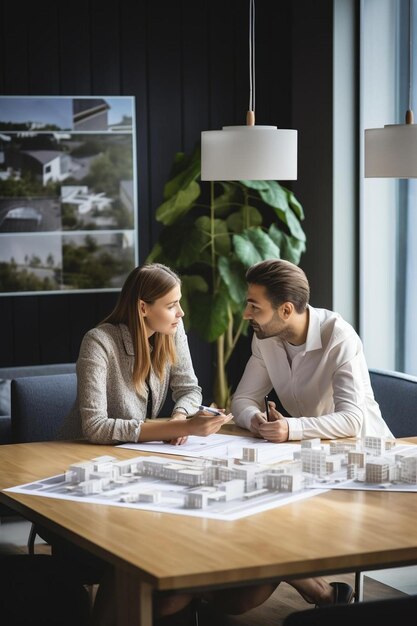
(311, 357)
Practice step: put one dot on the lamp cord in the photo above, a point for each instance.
(409, 116)
(410, 56)
(250, 118)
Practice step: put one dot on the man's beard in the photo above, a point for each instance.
(271, 330)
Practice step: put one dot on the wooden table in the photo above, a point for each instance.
(338, 531)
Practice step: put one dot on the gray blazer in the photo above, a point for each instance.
(108, 409)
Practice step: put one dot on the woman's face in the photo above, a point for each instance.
(164, 314)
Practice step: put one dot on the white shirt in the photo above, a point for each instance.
(327, 389)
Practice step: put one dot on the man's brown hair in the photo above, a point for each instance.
(283, 281)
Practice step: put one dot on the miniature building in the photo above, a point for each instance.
(250, 455)
(408, 469)
(310, 443)
(196, 499)
(284, 482)
(151, 497)
(314, 461)
(190, 477)
(94, 485)
(357, 458)
(340, 447)
(233, 489)
(334, 463)
(79, 472)
(103, 463)
(352, 471)
(377, 471)
(374, 445)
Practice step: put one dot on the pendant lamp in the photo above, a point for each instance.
(391, 152)
(249, 152)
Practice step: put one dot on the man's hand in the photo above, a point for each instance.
(276, 430)
(255, 423)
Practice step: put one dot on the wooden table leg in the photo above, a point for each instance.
(134, 600)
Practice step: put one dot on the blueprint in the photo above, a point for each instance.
(248, 480)
(220, 446)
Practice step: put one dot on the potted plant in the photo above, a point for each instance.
(213, 232)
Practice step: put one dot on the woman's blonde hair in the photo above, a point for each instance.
(148, 283)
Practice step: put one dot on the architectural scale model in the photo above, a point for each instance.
(234, 487)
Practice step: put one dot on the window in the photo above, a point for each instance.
(388, 222)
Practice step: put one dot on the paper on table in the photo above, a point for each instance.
(220, 446)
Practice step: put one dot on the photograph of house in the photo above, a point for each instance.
(68, 165)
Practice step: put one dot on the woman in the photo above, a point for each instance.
(128, 362)
(125, 367)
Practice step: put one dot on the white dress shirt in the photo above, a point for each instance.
(326, 389)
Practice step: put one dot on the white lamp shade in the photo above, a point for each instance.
(249, 153)
(391, 152)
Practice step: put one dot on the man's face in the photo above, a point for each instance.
(263, 317)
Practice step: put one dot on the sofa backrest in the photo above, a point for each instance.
(39, 405)
(396, 394)
(9, 373)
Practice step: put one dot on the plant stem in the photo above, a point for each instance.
(213, 249)
(234, 342)
(246, 195)
(229, 329)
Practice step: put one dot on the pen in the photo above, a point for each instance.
(209, 409)
(267, 409)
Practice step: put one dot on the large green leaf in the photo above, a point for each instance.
(291, 248)
(253, 245)
(255, 184)
(192, 287)
(184, 243)
(184, 170)
(194, 283)
(245, 217)
(155, 254)
(294, 226)
(178, 205)
(233, 275)
(209, 315)
(274, 195)
(226, 201)
(277, 198)
(222, 243)
(294, 204)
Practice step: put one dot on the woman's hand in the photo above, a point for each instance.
(204, 424)
(178, 441)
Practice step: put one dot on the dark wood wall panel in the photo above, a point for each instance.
(312, 108)
(6, 331)
(14, 37)
(221, 70)
(105, 39)
(82, 316)
(186, 63)
(54, 339)
(134, 64)
(194, 64)
(74, 48)
(26, 336)
(43, 48)
(164, 113)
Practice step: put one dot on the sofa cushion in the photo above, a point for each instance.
(9, 373)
